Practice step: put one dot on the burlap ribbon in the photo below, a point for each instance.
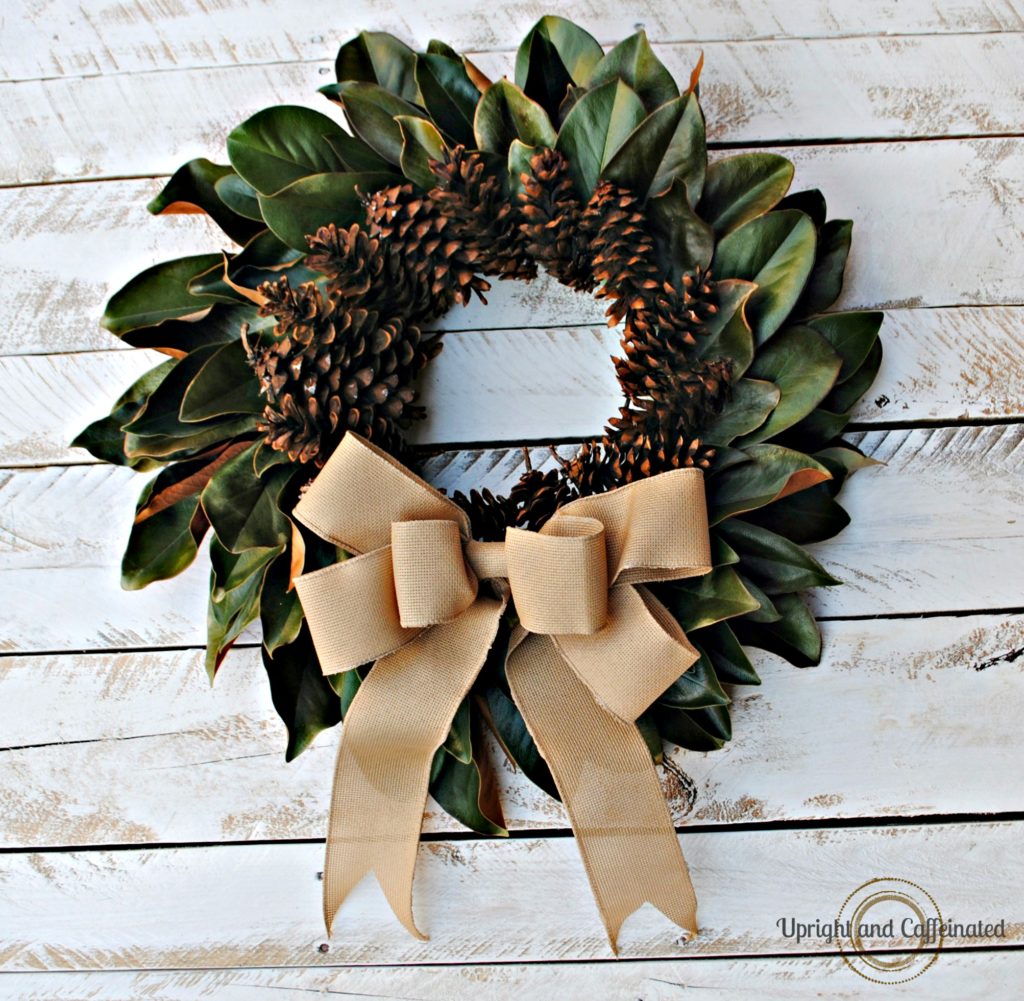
(592, 651)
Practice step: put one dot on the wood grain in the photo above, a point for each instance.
(958, 976)
(765, 91)
(480, 901)
(889, 700)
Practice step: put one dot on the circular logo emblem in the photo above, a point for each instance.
(891, 930)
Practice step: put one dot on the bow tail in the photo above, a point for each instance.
(398, 719)
(602, 765)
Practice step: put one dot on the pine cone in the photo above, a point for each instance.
(538, 495)
(474, 201)
(489, 516)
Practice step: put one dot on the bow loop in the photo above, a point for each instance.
(433, 584)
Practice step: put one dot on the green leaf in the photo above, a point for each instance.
(262, 259)
(826, 279)
(772, 473)
(731, 663)
(741, 188)
(104, 439)
(702, 601)
(421, 144)
(159, 293)
(278, 146)
(595, 128)
(468, 791)
(232, 570)
(547, 80)
(448, 95)
(810, 202)
(633, 62)
(318, 200)
(371, 112)
(851, 335)
(728, 333)
(804, 367)
(243, 508)
(193, 188)
(767, 611)
(777, 252)
(504, 114)
(459, 742)
(686, 158)
(224, 385)
(849, 391)
(776, 564)
(346, 684)
(648, 728)
(515, 738)
(239, 196)
(302, 696)
(795, 636)
(162, 545)
(695, 688)
(577, 50)
(683, 240)
(694, 729)
(747, 409)
(817, 429)
(806, 517)
(843, 461)
(222, 323)
(380, 58)
(519, 157)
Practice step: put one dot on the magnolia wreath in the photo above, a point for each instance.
(275, 428)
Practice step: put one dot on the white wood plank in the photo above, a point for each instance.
(63, 128)
(936, 529)
(480, 901)
(170, 760)
(69, 246)
(63, 38)
(957, 976)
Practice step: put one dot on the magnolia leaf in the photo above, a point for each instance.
(239, 196)
(811, 202)
(220, 324)
(728, 333)
(346, 684)
(280, 145)
(459, 743)
(686, 158)
(702, 601)
(243, 508)
(421, 143)
(449, 95)
(849, 391)
(193, 188)
(519, 157)
(355, 154)
(224, 385)
(371, 112)
(511, 731)
(633, 62)
(303, 697)
(319, 200)
(741, 188)
(380, 58)
(766, 612)
(468, 791)
(818, 428)
(776, 251)
(722, 554)
(747, 409)
(694, 729)
(684, 242)
(730, 662)
(280, 611)
(159, 293)
(826, 278)
(795, 636)
(595, 128)
(804, 367)
(480, 80)
(843, 461)
(504, 114)
(775, 563)
(260, 260)
(852, 336)
(809, 516)
(162, 546)
(577, 51)
(233, 570)
(695, 688)
(773, 472)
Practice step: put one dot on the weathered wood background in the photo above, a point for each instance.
(152, 841)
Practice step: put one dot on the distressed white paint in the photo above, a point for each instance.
(889, 700)
(765, 91)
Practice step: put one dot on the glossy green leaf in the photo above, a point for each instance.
(244, 509)
(795, 636)
(849, 391)
(319, 200)
(222, 323)
(303, 697)
(809, 516)
(747, 409)
(773, 561)
(380, 58)
(193, 188)
(468, 791)
(686, 158)
(727, 334)
(577, 50)
(730, 661)
(776, 251)
(159, 293)
(804, 367)
(233, 570)
(547, 80)
(595, 128)
(694, 729)
(280, 611)
(277, 146)
(851, 335)
(817, 429)
(346, 684)
(772, 473)
(422, 143)
(740, 188)
(163, 545)
(515, 738)
(843, 461)
(766, 612)
(239, 196)
(519, 157)
(683, 240)
(262, 259)
(695, 688)
(448, 95)
(701, 601)
(811, 202)
(371, 112)
(633, 62)
(826, 278)
(504, 114)
(224, 385)
(459, 742)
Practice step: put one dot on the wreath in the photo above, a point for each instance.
(591, 167)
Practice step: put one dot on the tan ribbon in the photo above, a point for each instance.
(592, 651)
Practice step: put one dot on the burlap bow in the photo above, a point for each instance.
(591, 652)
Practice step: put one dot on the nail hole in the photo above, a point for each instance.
(324, 947)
